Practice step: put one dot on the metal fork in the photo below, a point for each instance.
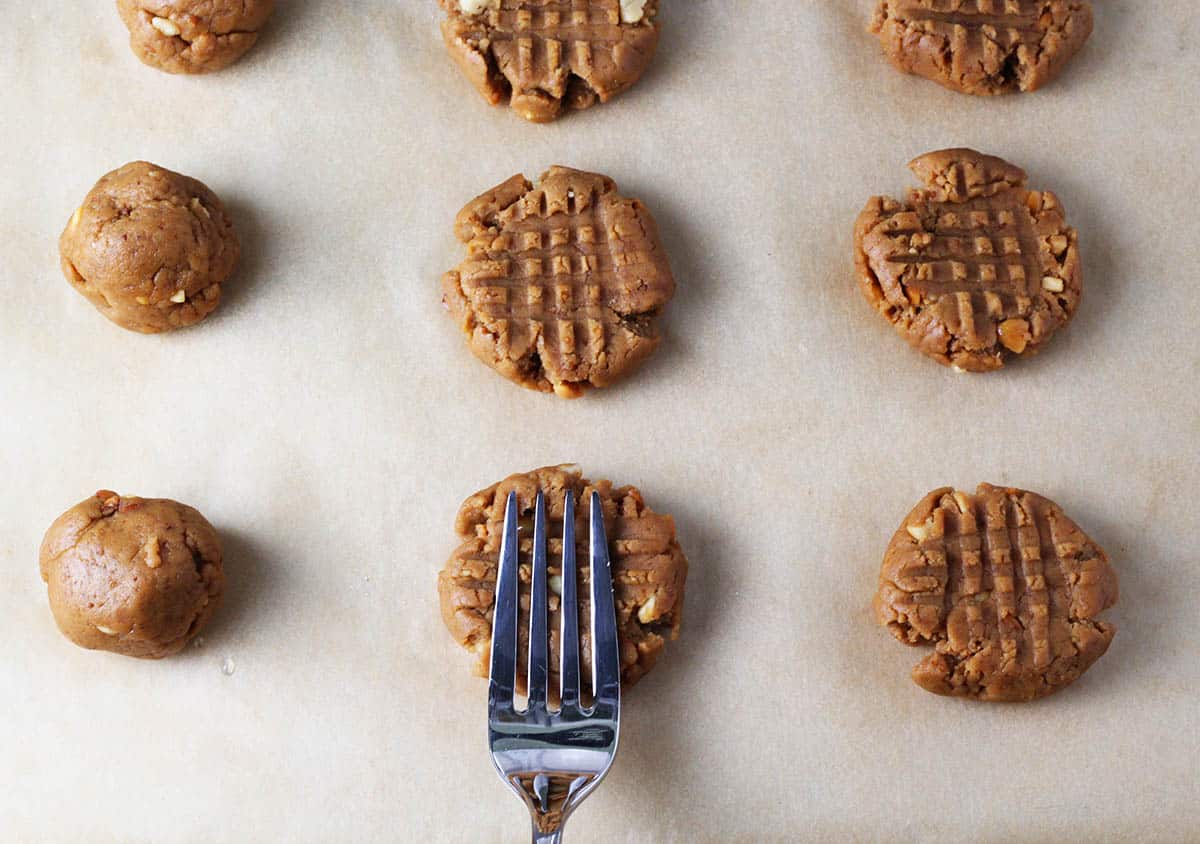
(553, 759)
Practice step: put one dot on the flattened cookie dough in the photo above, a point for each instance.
(544, 55)
(649, 569)
(135, 576)
(1004, 585)
(983, 46)
(193, 36)
(563, 283)
(150, 248)
(974, 269)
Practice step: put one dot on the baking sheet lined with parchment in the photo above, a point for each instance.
(329, 420)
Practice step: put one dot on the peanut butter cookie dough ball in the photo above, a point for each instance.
(135, 576)
(150, 248)
(193, 36)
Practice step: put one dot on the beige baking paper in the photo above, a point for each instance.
(329, 419)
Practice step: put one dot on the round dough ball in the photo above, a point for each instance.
(193, 36)
(150, 248)
(135, 576)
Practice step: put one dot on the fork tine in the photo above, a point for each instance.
(537, 673)
(568, 640)
(606, 656)
(504, 617)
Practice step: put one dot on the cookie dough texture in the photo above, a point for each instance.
(150, 248)
(649, 569)
(1006, 588)
(546, 55)
(193, 36)
(135, 576)
(563, 283)
(983, 46)
(974, 269)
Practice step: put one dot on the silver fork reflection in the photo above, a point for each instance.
(553, 759)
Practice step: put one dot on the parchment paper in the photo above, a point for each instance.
(329, 420)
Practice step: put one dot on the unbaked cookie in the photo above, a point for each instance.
(542, 55)
(975, 268)
(648, 566)
(1004, 585)
(135, 576)
(193, 36)
(563, 283)
(983, 46)
(150, 248)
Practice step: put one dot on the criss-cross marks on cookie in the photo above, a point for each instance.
(983, 252)
(553, 38)
(999, 574)
(991, 28)
(547, 278)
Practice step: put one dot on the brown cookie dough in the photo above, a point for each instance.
(983, 46)
(1004, 585)
(648, 567)
(975, 268)
(563, 283)
(193, 36)
(542, 55)
(150, 248)
(135, 576)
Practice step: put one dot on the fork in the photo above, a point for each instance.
(553, 759)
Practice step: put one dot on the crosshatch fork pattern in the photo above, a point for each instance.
(980, 25)
(553, 284)
(983, 47)
(984, 252)
(563, 282)
(974, 268)
(1004, 585)
(1000, 573)
(1018, 15)
(557, 26)
(555, 35)
(546, 54)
